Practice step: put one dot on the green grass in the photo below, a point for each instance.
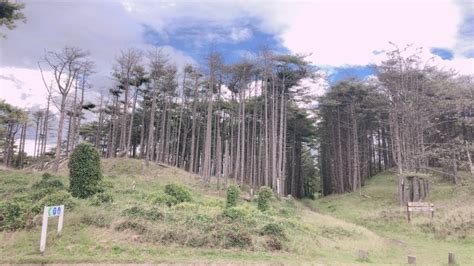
(330, 230)
(451, 230)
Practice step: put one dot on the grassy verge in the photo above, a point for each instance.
(138, 226)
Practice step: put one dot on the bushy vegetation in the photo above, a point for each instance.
(177, 194)
(102, 198)
(85, 171)
(56, 198)
(274, 229)
(233, 193)
(14, 215)
(264, 196)
(48, 181)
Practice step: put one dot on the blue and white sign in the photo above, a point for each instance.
(50, 211)
(54, 211)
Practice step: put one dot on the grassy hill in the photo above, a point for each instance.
(138, 226)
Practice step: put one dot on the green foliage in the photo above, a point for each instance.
(47, 182)
(233, 193)
(97, 220)
(186, 206)
(178, 194)
(273, 229)
(11, 12)
(264, 196)
(152, 214)
(162, 198)
(55, 198)
(85, 171)
(135, 226)
(238, 237)
(101, 198)
(14, 215)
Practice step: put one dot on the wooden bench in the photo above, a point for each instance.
(420, 207)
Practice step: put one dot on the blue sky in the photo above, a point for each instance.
(342, 37)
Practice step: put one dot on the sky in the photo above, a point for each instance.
(342, 37)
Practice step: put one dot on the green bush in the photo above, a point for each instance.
(264, 196)
(178, 193)
(14, 215)
(238, 237)
(85, 171)
(132, 225)
(235, 213)
(186, 206)
(98, 220)
(161, 198)
(101, 198)
(47, 182)
(153, 214)
(55, 198)
(273, 229)
(233, 193)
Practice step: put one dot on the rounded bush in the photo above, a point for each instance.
(233, 193)
(101, 198)
(85, 171)
(48, 182)
(56, 198)
(178, 192)
(273, 229)
(14, 215)
(264, 196)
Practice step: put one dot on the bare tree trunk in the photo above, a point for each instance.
(62, 114)
(130, 128)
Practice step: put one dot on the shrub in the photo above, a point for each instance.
(14, 215)
(85, 171)
(56, 198)
(273, 244)
(233, 193)
(179, 193)
(101, 198)
(186, 206)
(97, 220)
(132, 225)
(264, 196)
(235, 213)
(162, 199)
(273, 229)
(238, 237)
(47, 183)
(138, 212)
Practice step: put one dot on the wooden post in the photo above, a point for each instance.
(408, 212)
(44, 230)
(411, 259)
(363, 255)
(451, 258)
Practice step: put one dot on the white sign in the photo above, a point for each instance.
(50, 211)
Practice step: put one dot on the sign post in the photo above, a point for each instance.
(50, 211)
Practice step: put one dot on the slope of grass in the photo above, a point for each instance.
(451, 230)
(135, 228)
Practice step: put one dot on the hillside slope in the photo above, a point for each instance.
(138, 227)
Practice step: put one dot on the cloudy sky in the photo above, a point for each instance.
(342, 37)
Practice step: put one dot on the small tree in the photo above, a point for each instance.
(85, 171)
(233, 193)
(264, 195)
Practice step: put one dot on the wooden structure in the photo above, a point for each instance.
(415, 188)
(411, 259)
(419, 207)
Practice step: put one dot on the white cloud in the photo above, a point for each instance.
(240, 34)
(347, 32)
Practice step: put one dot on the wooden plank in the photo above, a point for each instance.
(420, 209)
(419, 204)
